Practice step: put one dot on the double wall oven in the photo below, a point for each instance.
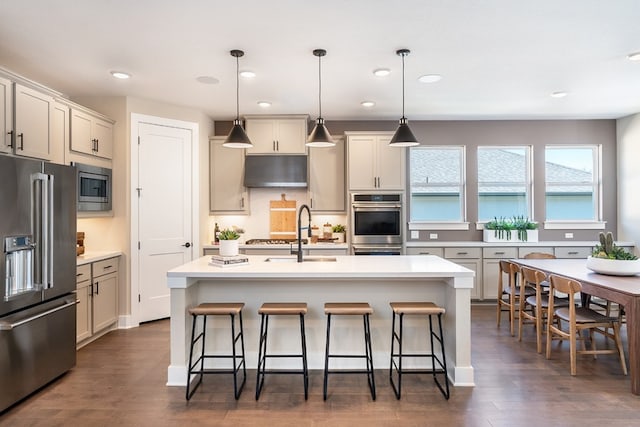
(376, 223)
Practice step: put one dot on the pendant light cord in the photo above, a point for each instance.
(403, 55)
(238, 88)
(320, 86)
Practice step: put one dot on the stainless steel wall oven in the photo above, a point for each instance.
(376, 223)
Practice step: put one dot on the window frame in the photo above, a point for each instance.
(529, 180)
(597, 223)
(461, 224)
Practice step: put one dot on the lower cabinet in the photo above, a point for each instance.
(97, 294)
(470, 258)
(490, 267)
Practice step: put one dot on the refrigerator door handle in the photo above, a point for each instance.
(43, 225)
(7, 326)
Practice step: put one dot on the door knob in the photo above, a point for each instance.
(187, 245)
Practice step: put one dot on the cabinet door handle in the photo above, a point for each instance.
(242, 202)
(97, 288)
(462, 253)
(97, 145)
(21, 136)
(106, 267)
(10, 133)
(498, 253)
(273, 144)
(425, 253)
(572, 253)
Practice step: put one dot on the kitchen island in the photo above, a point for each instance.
(377, 280)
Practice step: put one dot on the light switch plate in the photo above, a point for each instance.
(433, 236)
(415, 234)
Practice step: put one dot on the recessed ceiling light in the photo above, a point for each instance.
(367, 104)
(208, 80)
(381, 72)
(559, 94)
(430, 78)
(634, 56)
(120, 75)
(247, 74)
(264, 104)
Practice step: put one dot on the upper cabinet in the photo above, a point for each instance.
(33, 110)
(227, 193)
(6, 116)
(373, 164)
(91, 134)
(326, 178)
(277, 134)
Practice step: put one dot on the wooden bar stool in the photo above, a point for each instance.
(423, 309)
(231, 309)
(281, 309)
(350, 309)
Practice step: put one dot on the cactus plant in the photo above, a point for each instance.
(608, 250)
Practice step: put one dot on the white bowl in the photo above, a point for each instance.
(614, 267)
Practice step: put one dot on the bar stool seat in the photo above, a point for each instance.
(281, 309)
(350, 309)
(422, 309)
(232, 309)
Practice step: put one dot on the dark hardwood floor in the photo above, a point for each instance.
(120, 379)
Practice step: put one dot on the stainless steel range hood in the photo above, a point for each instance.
(275, 171)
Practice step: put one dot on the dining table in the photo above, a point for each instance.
(624, 290)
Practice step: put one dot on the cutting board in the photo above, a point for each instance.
(282, 215)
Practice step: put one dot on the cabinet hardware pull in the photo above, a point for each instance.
(97, 145)
(97, 288)
(499, 253)
(21, 136)
(242, 202)
(107, 267)
(79, 274)
(425, 253)
(462, 253)
(10, 133)
(573, 253)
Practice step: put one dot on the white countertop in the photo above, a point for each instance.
(286, 246)
(89, 257)
(345, 267)
(466, 244)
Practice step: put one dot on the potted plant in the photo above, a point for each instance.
(502, 230)
(339, 233)
(607, 258)
(228, 242)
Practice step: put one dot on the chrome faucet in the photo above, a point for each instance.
(308, 227)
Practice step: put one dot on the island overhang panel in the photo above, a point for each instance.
(377, 280)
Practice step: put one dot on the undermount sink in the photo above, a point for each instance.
(305, 259)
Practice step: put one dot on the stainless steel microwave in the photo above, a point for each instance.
(94, 188)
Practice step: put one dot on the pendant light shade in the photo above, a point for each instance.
(237, 138)
(320, 136)
(403, 136)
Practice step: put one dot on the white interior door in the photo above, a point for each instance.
(164, 213)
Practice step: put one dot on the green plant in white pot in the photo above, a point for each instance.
(339, 233)
(229, 242)
(607, 258)
(516, 228)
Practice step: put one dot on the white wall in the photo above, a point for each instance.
(628, 145)
(113, 233)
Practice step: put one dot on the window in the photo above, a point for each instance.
(437, 184)
(572, 183)
(504, 182)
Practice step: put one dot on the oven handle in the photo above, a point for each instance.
(375, 207)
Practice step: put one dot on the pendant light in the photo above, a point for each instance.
(403, 136)
(320, 136)
(237, 138)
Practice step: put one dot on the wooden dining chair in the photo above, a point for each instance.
(508, 293)
(534, 308)
(539, 255)
(578, 319)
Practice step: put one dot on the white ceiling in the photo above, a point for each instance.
(498, 58)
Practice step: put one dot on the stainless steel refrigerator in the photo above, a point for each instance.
(38, 273)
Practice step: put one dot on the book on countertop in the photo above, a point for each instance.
(228, 260)
(234, 264)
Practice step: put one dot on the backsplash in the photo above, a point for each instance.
(256, 225)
